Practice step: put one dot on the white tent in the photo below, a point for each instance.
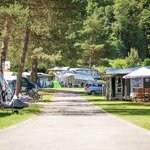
(65, 75)
(83, 77)
(78, 76)
(72, 78)
(140, 73)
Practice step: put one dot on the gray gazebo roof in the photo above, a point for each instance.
(142, 72)
(116, 71)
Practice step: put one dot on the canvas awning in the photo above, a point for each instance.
(83, 77)
(68, 75)
(142, 72)
(79, 76)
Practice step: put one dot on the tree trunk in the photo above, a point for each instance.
(22, 61)
(90, 62)
(5, 41)
(33, 75)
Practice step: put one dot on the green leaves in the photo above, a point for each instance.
(133, 59)
(78, 29)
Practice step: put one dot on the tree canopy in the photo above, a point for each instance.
(75, 32)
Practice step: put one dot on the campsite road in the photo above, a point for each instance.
(72, 123)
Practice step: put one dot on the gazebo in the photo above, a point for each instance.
(142, 72)
(139, 83)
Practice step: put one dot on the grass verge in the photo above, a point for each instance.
(67, 89)
(137, 113)
(8, 119)
(47, 94)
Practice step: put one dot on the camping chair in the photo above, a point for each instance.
(147, 94)
(140, 96)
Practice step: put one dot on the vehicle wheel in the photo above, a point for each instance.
(93, 92)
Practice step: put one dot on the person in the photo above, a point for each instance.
(82, 84)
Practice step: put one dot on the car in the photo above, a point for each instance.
(93, 88)
(26, 84)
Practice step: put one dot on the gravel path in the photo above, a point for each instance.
(72, 123)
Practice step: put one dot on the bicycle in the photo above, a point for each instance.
(34, 95)
(37, 96)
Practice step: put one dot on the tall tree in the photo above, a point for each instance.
(127, 15)
(22, 60)
(5, 41)
(8, 13)
(144, 24)
(95, 32)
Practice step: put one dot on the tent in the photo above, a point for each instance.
(56, 84)
(140, 73)
(75, 79)
(83, 77)
(78, 76)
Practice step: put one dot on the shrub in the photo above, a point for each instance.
(118, 63)
(133, 59)
(146, 62)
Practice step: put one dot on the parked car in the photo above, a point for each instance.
(26, 84)
(93, 88)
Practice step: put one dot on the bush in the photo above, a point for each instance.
(118, 63)
(146, 62)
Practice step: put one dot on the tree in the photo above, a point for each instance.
(118, 63)
(126, 27)
(40, 24)
(8, 13)
(133, 59)
(22, 60)
(95, 33)
(144, 25)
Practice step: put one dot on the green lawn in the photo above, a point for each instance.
(137, 113)
(7, 118)
(47, 94)
(68, 89)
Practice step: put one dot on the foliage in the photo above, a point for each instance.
(104, 62)
(127, 15)
(146, 62)
(94, 34)
(101, 68)
(133, 59)
(91, 31)
(118, 63)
